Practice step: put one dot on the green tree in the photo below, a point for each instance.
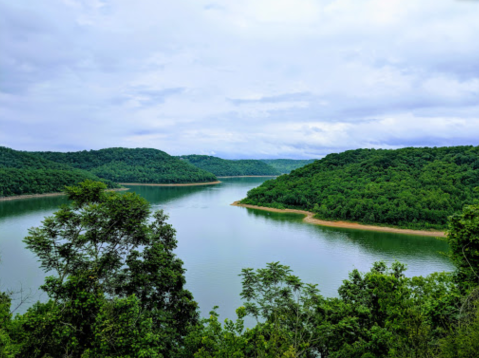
(117, 288)
(8, 347)
(463, 238)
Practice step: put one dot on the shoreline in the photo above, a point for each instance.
(342, 224)
(33, 196)
(250, 176)
(186, 184)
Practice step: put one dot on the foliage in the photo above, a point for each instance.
(285, 166)
(224, 167)
(410, 187)
(8, 347)
(41, 181)
(139, 165)
(463, 237)
(463, 338)
(10, 158)
(26, 173)
(107, 298)
(377, 314)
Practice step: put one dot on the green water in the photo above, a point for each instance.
(216, 240)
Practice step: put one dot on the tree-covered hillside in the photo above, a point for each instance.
(224, 167)
(26, 173)
(409, 187)
(139, 165)
(285, 166)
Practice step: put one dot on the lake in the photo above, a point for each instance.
(216, 240)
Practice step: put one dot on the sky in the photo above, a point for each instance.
(238, 79)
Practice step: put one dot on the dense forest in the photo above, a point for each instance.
(140, 165)
(285, 166)
(224, 167)
(118, 290)
(410, 187)
(26, 173)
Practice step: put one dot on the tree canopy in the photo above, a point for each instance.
(224, 167)
(116, 289)
(411, 187)
(125, 165)
(285, 166)
(26, 173)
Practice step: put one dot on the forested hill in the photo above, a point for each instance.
(224, 167)
(26, 173)
(285, 166)
(139, 165)
(410, 187)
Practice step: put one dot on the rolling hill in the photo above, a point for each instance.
(411, 187)
(139, 165)
(285, 166)
(26, 173)
(224, 167)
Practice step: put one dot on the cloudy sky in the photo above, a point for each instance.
(240, 78)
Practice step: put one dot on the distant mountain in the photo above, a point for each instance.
(26, 173)
(410, 187)
(139, 165)
(285, 166)
(224, 167)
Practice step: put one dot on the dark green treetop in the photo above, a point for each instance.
(117, 285)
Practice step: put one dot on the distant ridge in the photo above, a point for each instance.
(285, 166)
(224, 167)
(138, 165)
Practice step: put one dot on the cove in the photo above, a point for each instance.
(216, 240)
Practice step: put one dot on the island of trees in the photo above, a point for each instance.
(417, 188)
(117, 290)
(224, 167)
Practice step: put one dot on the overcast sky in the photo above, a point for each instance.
(241, 78)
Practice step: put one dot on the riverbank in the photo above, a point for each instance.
(186, 184)
(32, 196)
(250, 176)
(309, 218)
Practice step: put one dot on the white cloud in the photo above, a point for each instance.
(248, 78)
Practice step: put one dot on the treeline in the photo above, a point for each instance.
(139, 165)
(41, 181)
(412, 187)
(224, 167)
(24, 173)
(108, 298)
(285, 166)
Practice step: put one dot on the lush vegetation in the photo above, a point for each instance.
(223, 167)
(285, 166)
(108, 298)
(411, 187)
(26, 173)
(117, 287)
(140, 165)
(41, 181)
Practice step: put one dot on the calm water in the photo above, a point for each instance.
(216, 240)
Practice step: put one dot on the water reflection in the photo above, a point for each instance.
(25, 206)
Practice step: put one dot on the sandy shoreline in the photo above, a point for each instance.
(187, 184)
(250, 176)
(347, 225)
(31, 196)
